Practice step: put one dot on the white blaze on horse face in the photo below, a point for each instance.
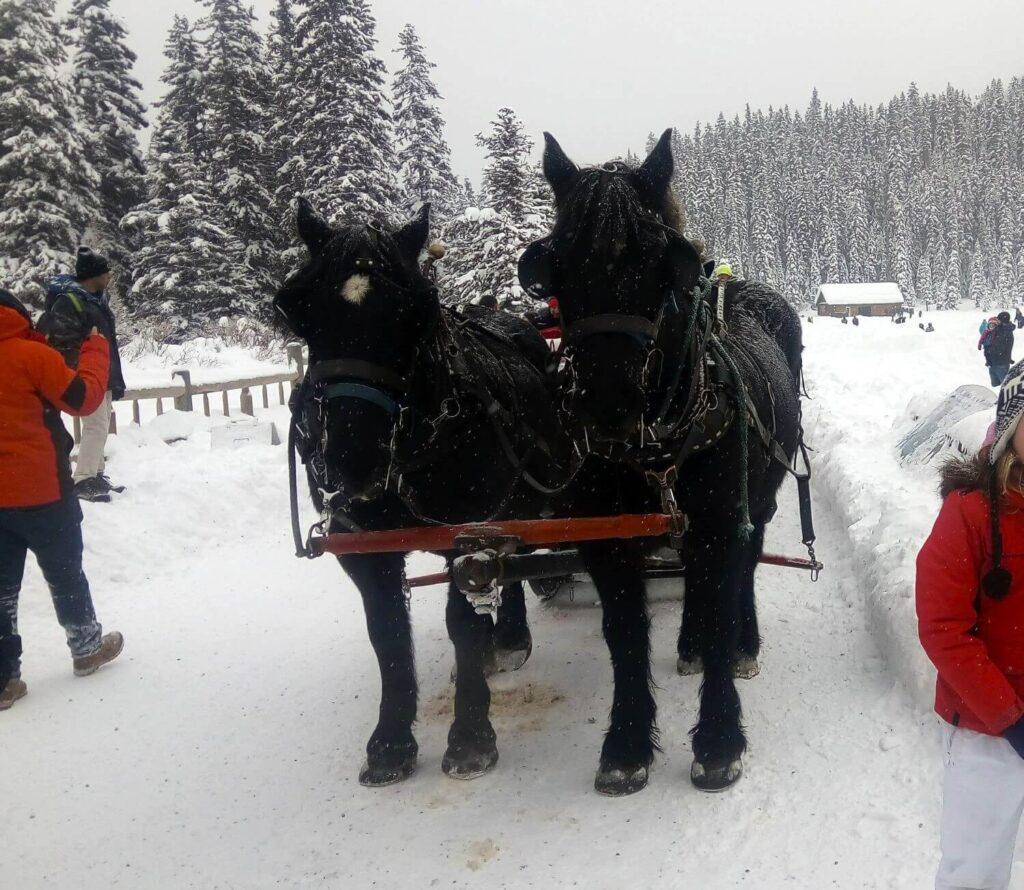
(357, 287)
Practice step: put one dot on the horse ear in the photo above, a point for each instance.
(656, 171)
(412, 237)
(559, 171)
(313, 228)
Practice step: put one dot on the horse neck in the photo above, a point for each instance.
(431, 384)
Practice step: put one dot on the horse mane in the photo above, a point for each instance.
(606, 211)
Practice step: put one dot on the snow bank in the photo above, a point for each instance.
(869, 386)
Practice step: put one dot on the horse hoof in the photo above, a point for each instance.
(713, 777)
(617, 782)
(508, 660)
(381, 775)
(745, 667)
(690, 667)
(463, 763)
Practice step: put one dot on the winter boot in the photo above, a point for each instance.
(12, 691)
(109, 486)
(110, 647)
(92, 489)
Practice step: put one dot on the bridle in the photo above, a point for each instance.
(358, 379)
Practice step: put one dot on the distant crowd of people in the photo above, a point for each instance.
(67, 362)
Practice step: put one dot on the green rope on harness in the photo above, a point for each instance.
(746, 527)
(699, 293)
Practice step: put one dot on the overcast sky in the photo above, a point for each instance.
(602, 74)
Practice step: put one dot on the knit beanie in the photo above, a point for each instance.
(1009, 411)
(9, 301)
(90, 265)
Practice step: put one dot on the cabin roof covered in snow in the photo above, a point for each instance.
(861, 294)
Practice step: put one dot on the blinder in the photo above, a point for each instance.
(536, 269)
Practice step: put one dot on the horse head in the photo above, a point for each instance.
(364, 307)
(615, 260)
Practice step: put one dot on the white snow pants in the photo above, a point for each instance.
(95, 428)
(982, 800)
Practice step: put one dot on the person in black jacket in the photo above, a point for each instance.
(998, 347)
(74, 305)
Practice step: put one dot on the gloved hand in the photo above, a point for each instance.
(1015, 736)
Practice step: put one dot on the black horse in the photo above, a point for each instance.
(676, 407)
(412, 414)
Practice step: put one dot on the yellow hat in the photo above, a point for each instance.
(723, 270)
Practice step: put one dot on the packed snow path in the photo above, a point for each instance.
(222, 749)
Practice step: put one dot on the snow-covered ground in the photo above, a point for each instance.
(221, 750)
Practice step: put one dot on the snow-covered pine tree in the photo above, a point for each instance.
(424, 159)
(343, 159)
(236, 98)
(485, 245)
(951, 299)
(49, 193)
(111, 112)
(975, 283)
(280, 139)
(506, 180)
(176, 286)
(924, 279)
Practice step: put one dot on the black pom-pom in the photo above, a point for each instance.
(997, 583)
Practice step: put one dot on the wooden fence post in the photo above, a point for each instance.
(295, 355)
(112, 428)
(184, 402)
(246, 399)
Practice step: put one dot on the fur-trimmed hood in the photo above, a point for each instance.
(965, 474)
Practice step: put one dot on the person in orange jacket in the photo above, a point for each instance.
(970, 607)
(38, 509)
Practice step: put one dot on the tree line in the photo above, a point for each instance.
(925, 190)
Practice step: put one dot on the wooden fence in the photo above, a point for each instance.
(185, 393)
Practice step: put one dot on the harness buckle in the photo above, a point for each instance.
(816, 566)
(665, 482)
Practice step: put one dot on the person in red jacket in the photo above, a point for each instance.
(38, 509)
(970, 607)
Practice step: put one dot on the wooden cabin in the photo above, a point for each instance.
(877, 299)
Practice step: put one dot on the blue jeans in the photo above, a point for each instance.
(54, 534)
(997, 374)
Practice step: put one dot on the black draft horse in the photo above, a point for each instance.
(398, 428)
(656, 382)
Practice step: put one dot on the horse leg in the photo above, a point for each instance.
(749, 646)
(718, 739)
(512, 640)
(472, 748)
(617, 571)
(391, 751)
(689, 661)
